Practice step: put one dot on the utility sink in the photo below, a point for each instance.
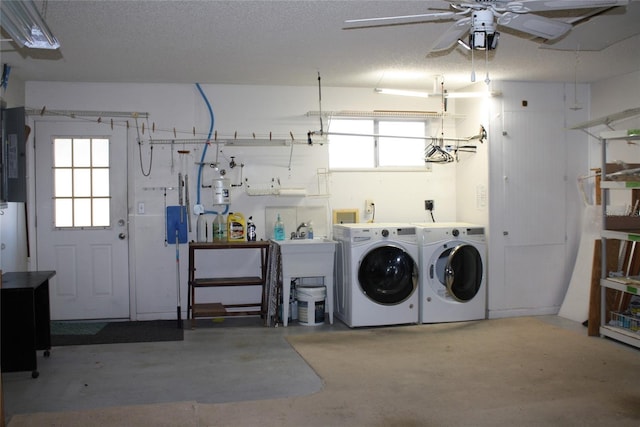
(307, 258)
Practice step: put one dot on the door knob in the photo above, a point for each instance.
(122, 236)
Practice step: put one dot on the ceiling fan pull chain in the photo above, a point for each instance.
(473, 68)
(487, 80)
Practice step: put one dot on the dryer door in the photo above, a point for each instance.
(388, 275)
(460, 270)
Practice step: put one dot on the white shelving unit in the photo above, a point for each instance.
(622, 326)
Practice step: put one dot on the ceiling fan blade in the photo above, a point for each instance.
(534, 24)
(451, 36)
(397, 20)
(547, 5)
(600, 31)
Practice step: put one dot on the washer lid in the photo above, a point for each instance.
(463, 272)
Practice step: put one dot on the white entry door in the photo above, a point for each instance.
(81, 217)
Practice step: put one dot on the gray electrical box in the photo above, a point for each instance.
(13, 160)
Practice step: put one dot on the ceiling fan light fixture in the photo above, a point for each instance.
(22, 21)
(482, 40)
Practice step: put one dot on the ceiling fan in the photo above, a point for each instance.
(481, 18)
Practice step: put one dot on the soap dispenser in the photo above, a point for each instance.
(278, 229)
(310, 230)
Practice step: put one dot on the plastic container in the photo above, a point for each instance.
(237, 227)
(278, 229)
(201, 228)
(219, 228)
(310, 230)
(311, 305)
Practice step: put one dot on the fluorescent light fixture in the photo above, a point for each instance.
(488, 94)
(22, 21)
(413, 93)
(437, 95)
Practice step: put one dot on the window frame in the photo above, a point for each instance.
(72, 169)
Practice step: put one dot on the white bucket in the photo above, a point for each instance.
(311, 305)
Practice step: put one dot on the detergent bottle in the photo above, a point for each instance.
(237, 227)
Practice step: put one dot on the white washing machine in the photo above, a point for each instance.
(376, 274)
(453, 284)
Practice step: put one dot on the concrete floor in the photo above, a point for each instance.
(236, 359)
(232, 361)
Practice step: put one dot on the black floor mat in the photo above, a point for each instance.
(76, 333)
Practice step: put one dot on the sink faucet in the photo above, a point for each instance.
(299, 234)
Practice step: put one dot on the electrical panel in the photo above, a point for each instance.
(13, 165)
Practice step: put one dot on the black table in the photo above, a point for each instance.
(25, 319)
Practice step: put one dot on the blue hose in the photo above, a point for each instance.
(206, 145)
(204, 151)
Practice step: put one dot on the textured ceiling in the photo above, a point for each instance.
(289, 42)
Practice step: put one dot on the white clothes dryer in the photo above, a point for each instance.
(376, 274)
(452, 272)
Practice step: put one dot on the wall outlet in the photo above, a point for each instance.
(368, 206)
(428, 205)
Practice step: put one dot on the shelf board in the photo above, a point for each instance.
(624, 284)
(213, 309)
(217, 309)
(621, 235)
(206, 282)
(619, 185)
(624, 135)
(619, 334)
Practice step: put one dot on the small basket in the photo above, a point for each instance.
(625, 321)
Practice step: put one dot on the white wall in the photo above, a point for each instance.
(457, 188)
(245, 110)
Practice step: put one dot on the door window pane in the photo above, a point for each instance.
(100, 182)
(101, 212)
(81, 183)
(64, 212)
(100, 153)
(82, 212)
(63, 182)
(81, 152)
(62, 153)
